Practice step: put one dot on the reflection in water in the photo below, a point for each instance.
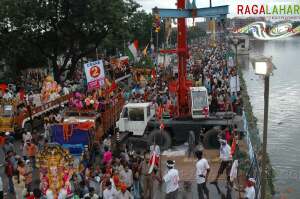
(284, 116)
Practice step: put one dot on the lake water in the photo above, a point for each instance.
(284, 115)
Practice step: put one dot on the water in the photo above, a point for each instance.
(284, 115)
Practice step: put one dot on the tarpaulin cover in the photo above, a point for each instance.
(78, 136)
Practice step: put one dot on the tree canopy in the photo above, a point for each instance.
(34, 33)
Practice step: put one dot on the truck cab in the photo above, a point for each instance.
(134, 118)
(199, 102)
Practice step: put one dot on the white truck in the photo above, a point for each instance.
(138, 121)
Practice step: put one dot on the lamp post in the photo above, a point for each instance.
(264, 68)
(235, 42)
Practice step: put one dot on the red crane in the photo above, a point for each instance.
(186, 10)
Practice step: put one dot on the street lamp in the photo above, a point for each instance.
(235, 42)
(265, 68)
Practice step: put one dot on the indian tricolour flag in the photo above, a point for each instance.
(132, 51)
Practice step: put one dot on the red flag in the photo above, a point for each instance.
(153, 74)
(233, 146)
(113, 86)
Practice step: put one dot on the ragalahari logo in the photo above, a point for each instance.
(260, 30)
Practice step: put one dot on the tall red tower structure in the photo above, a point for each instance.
(184, 10)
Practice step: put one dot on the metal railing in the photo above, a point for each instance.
(254, 170)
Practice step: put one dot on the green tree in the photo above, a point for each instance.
(62, 31)
(140, 26)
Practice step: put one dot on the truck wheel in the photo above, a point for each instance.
(210, 140)
(162, 138)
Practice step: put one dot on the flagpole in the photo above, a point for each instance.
(97, 54)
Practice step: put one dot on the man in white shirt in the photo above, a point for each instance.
(226, 160)
(250, 190)
(202, 172)
(109, 192)
(171, 178)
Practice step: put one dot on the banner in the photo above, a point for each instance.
(95, 75)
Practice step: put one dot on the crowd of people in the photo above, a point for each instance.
(218, 77)
(124, 173)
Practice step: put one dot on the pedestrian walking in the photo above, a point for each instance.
(226, 161)
(147, 181)
(202, 172)
(31, 152)
(171, 179)
(127, 177)
(28, 175)
(9, 172)
(250, 190)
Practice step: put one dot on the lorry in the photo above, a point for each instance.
(13, 119)
(139, 123)
(81, 128)
(103, 122)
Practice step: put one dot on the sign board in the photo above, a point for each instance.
(95, 75)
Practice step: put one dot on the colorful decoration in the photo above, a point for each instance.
(55, 168)
(50, 89)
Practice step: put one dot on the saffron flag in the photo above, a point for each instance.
(145, 50)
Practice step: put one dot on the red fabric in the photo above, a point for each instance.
(67, 131)
(153, 74)
(3, 86)
(113, 86)
(9, 169)
(227, 136)
(2, 140)
(233, 146)
(155, 159)
(172, 87)
(85, 126)
(22, 94)
(30, 197)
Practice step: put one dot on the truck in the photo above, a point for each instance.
(13, 120)
(140, 124)
(103, 122)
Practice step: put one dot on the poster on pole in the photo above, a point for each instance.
(95, 75)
